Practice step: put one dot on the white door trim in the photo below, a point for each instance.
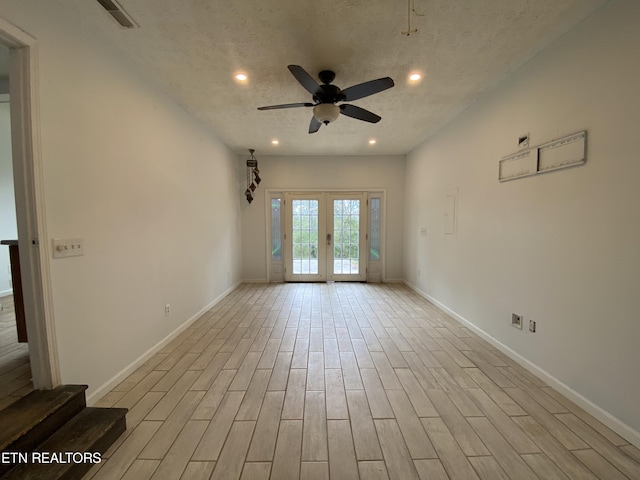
(30, 205)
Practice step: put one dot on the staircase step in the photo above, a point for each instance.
(73, 450)
(26, 423)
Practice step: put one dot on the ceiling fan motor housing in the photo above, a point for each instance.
(328, 94)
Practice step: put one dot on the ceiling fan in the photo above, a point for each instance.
(326, 96)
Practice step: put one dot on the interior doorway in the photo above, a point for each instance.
(15, 368)
(28, 186)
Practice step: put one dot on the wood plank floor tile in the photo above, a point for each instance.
(396, 455)
(252, 401)
(294, 399)
(632, 451)
(430, 470)
(488, 468)
(516, 437)
(176, 373)
(350, 371)
(245, 372)
(177, 458)
(300, 353)
(315, 371)
(335, 395)
(314, 432)
(212, 398)
(198, 471)
(378, 401)
(373, 470)
(602, 429)
(120, 461)
(502, 450)
(363, 430)
(161, 442)
(280, 372)
(453, 459)
(554, 426)
(414, 435)
(601, 445)
(165, 406)
(466, 437)
(543, 467)
(255, 471)
(599, 465)
(339, 380)
(141, 470)
(343, 463)
(286, 461)
(419, 399)
(231, 460)
(553, 449)
(314, 471)
(263, 443)
(216, 434)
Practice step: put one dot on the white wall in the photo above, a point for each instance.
(327, 173)
(8, 229)
(560, 248)
(154, 195)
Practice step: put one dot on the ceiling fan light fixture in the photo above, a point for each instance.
(326, 112)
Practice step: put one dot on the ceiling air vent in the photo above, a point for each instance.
(118, 13)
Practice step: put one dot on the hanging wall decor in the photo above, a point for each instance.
(253, 176)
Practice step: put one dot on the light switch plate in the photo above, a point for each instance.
(67, 247)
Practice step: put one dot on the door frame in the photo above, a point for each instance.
(371, 192)
(30, 205)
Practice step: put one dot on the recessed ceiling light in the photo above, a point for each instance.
(275, 142)
(372, 141)
(241, 77)
(415, 77)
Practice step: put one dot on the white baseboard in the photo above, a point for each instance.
(598, 412)
(4, 293)
(94, 395)
(254, 280)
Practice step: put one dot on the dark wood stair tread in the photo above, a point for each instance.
(41, 411)
(92, 430)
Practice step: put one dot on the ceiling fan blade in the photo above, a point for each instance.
(287, 105)
(359, 113)
(315, 125)
(367, 88)
(304, 78)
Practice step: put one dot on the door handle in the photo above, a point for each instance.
(328, 239)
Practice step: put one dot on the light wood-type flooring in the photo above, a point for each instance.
(15, 369)
(348, 381)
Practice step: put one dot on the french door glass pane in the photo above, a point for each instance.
(346, 232)
(305, 236)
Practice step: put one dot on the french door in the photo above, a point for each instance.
(325, 237)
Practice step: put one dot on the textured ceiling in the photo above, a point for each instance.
(193, 48)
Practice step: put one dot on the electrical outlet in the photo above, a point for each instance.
(167, 310)
(516, 320)
(532, 326)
